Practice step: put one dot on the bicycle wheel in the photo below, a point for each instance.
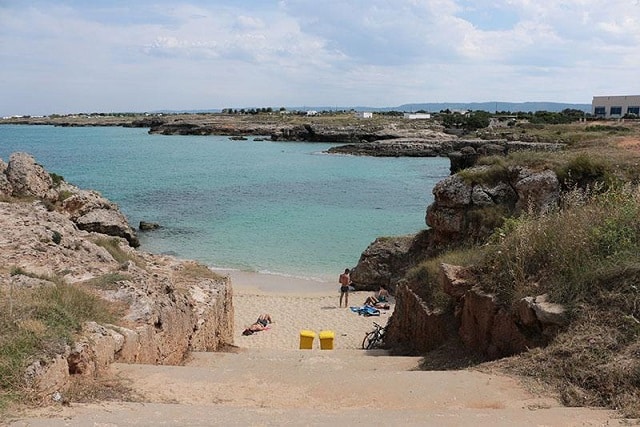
(370, 340)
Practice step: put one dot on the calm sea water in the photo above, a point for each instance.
(273, 207)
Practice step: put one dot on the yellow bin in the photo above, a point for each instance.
(326, 340)
(306, 339)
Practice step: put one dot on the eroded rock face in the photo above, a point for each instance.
(6, 190)
(537, 191)
(23, 177)
(477, 319)
(171, 307)
(464, 210)
(387, 259)
(27, 178)
(414, 327)
(382, 262)
(110, 222)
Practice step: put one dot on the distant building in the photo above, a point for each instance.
(417, 116)
(364, 114)
(312, 113)
(615, 107)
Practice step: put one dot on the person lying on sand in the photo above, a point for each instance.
(380, 297)
(263, 322)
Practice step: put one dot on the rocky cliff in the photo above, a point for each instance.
(53, 231)
(466, 209)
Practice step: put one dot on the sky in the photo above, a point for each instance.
(78, 56)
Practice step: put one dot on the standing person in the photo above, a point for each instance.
(345, 282)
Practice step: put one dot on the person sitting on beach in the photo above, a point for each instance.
(379, 298)
(263, 322)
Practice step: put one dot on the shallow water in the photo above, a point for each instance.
(285, 208)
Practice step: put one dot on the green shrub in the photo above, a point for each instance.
(57, 179)
(56, 237)
(585, 256)
(112, 245)
(585, 171)
(562, 251)
(604, 128)
(491, 174)
(64, 195)
(109, 281)
(39, 321)
(424, 278)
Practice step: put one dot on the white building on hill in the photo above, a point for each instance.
(417, 116)
(615, 107)
(364, 114)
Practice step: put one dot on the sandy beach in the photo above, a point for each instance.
(297, 304)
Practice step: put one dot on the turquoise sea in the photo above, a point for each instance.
(284, 208)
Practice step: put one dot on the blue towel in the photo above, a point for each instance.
(366, 310)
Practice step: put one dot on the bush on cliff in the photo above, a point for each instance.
(587, 257)
(40, 320)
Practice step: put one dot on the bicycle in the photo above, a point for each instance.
(374, 338)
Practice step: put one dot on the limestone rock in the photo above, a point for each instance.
(6, 190)
(110, 222)
(455, 280)
(537, 191)
(539, 309)
(147, 226)
(27, 178)
(383, 262)
(168, 309)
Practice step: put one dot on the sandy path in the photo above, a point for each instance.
(269, 381)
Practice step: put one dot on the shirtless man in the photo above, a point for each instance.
(345, 282)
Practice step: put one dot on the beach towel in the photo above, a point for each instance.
(366, 310)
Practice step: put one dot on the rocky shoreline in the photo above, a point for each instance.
(380, 137)
(54, 232)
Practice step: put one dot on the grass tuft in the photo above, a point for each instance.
(40, 321)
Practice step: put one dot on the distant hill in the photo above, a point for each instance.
(432, 107)
(494, 106)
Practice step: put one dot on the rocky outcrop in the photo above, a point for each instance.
(463, 153)
(469, 210)
(170, 307)
(110, 222)
(414, 327)
(24, 178)
(463, 210)
(474, 318)
(466, 208)
(387, 259)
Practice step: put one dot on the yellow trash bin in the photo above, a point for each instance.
(326, 340)
(306, 339)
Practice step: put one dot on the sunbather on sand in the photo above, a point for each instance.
(379, 298)
(263, 322)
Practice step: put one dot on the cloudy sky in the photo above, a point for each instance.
(111, 56)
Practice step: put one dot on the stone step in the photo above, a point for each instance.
(317, 388)
(321, 379)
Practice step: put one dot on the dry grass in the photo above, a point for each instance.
(40, 321)
(193, 270)
(113, 246)
(585, 255)
(104, 388)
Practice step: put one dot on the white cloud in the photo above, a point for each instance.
(76, 56)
